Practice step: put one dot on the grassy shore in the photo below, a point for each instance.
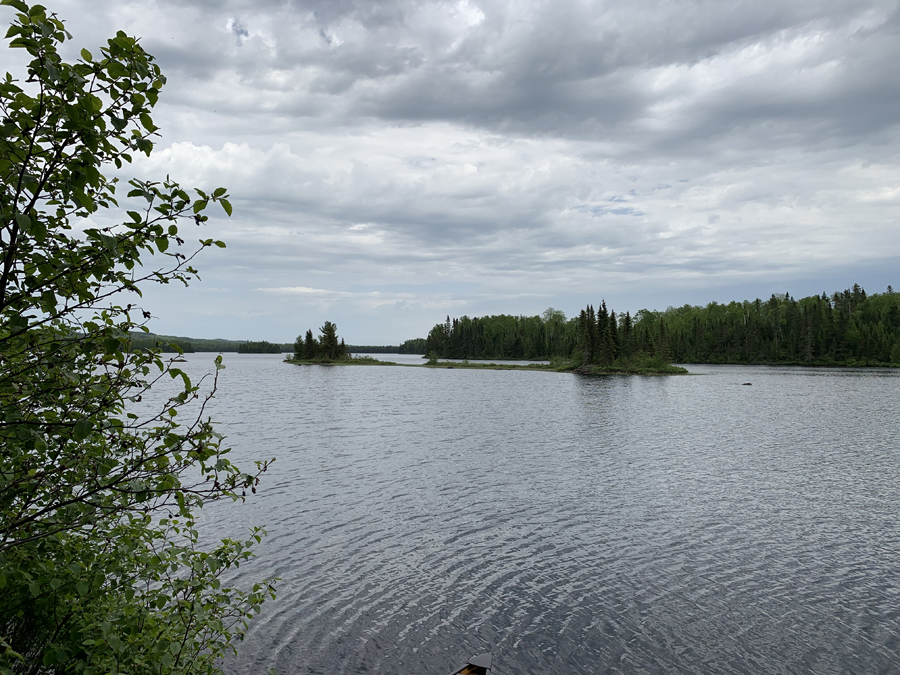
(661, 369)
(352, 361)
(643, 367)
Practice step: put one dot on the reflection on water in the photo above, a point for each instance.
(418, 359)
(568, 524)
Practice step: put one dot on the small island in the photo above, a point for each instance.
(328, 349)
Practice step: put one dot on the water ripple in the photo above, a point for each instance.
(616, 525)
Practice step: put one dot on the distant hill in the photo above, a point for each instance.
(373, 349)
(190, 345)
(416, 346)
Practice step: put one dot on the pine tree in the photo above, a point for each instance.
(329, 346)
(299, 348)
(603, 352)
(311, 346)
(627, 336)
(615, 348)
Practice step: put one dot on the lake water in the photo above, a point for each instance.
(568, 524)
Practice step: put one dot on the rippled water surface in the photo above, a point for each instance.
(568, 524)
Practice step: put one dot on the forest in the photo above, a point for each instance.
(172, 343)
(262, 347)
(414, 346)
(849, 327)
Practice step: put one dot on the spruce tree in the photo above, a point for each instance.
(329, 346)
(603, 353)
(311, 346)
(299, 348)
(627, 337)
(615, 348)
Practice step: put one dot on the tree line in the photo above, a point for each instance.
(262, 347)
(170, 343)
(849, 327)
(503, 337)
(414, 346)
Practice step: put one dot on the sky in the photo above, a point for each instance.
(394, 162)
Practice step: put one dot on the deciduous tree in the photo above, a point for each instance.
(101, 570)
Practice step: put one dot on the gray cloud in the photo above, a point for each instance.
(483, 155)
(238, 28)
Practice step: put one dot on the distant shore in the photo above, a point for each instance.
(662, 369)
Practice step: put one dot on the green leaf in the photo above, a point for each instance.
(101, 468)
(18, 4)
(147, 123)
(111, 345)
(110, 242)
(116, 70)
(38, 230)
(17, 322)
(83, 429)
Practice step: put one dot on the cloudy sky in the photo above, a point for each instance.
(391, 162)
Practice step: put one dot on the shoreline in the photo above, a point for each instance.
(531, 367)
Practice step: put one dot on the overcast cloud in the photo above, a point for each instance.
(394, 162)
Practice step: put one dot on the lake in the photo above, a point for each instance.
(567, 524)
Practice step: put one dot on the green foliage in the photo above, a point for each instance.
(262, 347)
(414, 346)
(503, 337)
(639, 364)
(165, 343)
(100, 566)
(172, 343)
(373, 349)
(850, 327)
(366, 360)
(590, 336)
(327, 348)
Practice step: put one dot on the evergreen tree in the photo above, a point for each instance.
(585, 337)
(329, 346)
(299, 348)
(311, 346)
(627, 336)
(613, 334)
(604, 339)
